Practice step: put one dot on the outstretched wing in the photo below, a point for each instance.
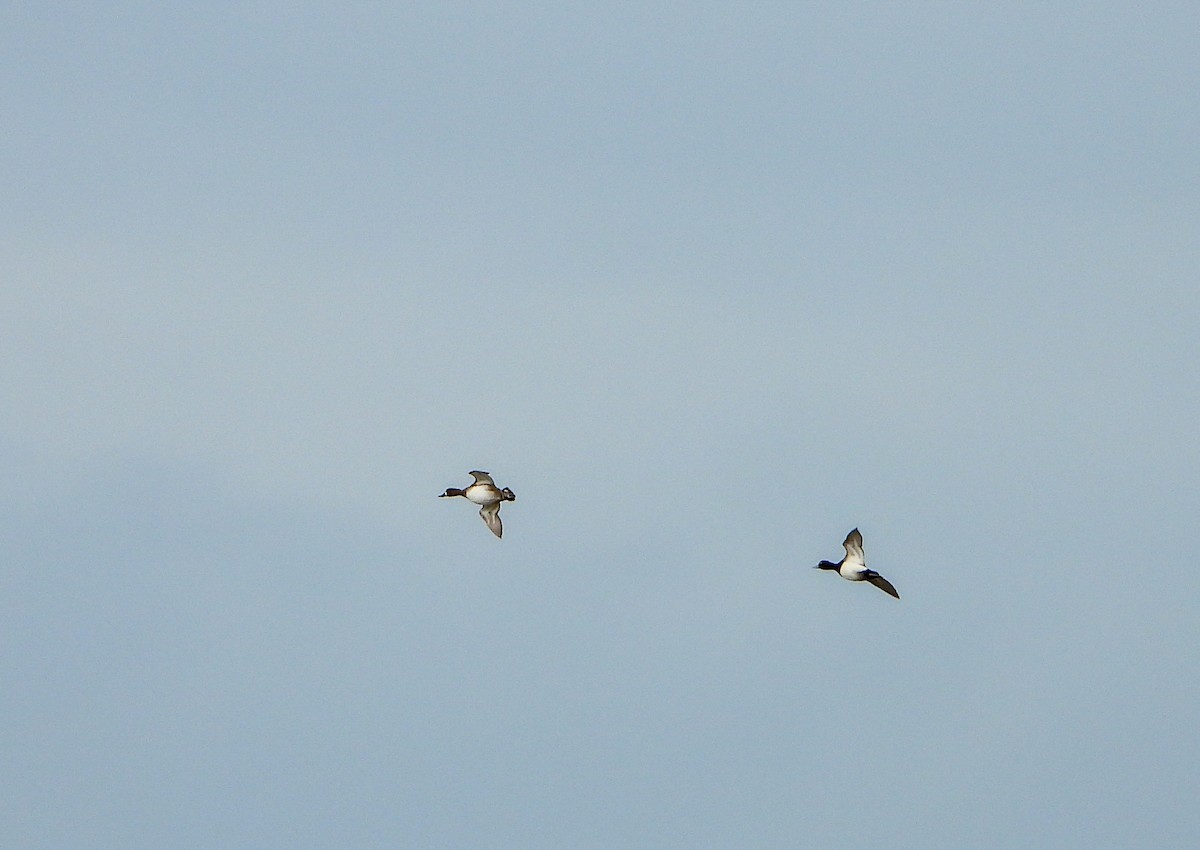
(882, 583)
(482, 477)
(491, 516)
(854, 550)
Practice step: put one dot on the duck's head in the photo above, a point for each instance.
(826, 565)
(451, 491)
(508, 495)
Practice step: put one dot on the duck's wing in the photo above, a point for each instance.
(482, 477)
(882, 583)
(854, 550)
(491, 516)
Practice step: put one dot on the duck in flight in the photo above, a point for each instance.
(853, 567)
(485, 492)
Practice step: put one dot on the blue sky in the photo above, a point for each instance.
(707, 285)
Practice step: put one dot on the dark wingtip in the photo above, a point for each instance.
(883, 584)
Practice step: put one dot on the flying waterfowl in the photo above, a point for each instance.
(485, 492)
(853, 567)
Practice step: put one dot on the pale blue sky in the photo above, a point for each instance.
(707, 284)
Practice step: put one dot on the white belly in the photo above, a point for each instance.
(481, 494)
(852, 573)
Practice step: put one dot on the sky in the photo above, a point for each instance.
(707, 285)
